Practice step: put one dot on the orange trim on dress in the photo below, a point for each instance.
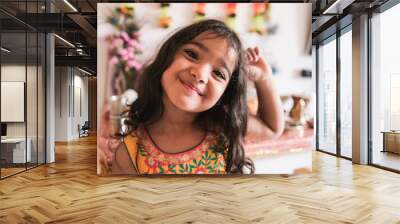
(131, 146)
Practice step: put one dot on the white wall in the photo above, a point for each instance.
(61, 105)
(70, 84)
(286, 49)
(79, 117)
(12, 73)
(33, 127)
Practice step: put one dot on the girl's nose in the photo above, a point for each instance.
(200, 73)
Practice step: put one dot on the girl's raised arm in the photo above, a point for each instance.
(269, 121)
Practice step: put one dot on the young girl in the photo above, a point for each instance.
(191, 115)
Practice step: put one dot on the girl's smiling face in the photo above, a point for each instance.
(199, 73)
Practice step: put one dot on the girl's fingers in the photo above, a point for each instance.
(254, 54)
(251, 53)
(249, 56)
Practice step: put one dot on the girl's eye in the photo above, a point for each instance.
(219, 74)
(191, 54)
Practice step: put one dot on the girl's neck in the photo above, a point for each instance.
(174, 120)
(175, 124)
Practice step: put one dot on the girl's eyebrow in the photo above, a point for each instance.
(204, 48)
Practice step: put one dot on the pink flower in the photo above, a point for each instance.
(134, 64)
(113, 61)
(131, 54)
(122, 52)
(116, 42)
(125, 36)
(125, 57)
(134, 43)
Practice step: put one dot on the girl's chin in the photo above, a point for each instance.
(188, 103)
(188, 106)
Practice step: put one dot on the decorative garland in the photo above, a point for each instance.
(231, 15)
(258, 22)
(165, 19)
(123, 47)
(271, 28)
(200, 12)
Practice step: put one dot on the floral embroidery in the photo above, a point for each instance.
(151, 162)
(206, 158)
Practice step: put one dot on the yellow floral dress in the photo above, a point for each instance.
(208, 157)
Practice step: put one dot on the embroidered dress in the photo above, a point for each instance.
(205, 158)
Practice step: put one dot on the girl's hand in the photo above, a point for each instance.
(257, 68)
(107, 143)
(104, 140)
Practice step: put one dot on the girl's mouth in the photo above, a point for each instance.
(191, 87)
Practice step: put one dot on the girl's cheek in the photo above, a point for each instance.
(216, 92)
(221, 89)
(182, 59)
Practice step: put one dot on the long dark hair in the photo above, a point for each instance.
(228, 116)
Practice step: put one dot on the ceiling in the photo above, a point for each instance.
(77, 23)
(77, 27)
(332, 15)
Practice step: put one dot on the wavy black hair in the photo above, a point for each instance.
(228, 117)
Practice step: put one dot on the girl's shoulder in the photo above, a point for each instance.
(132, 139)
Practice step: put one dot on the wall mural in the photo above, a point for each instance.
(183, 110)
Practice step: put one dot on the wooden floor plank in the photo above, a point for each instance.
(69, 191)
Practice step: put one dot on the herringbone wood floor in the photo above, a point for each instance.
(69, 191)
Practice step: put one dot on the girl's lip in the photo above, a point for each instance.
(190, 86)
